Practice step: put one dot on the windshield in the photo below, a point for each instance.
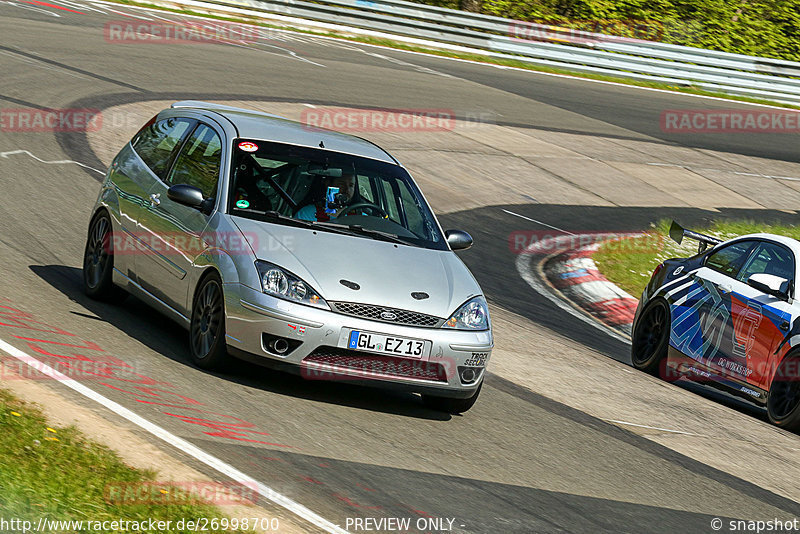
(363, 196)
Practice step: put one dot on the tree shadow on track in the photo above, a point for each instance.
(167, 338)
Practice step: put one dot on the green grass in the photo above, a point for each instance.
(58, 474)
(389, 43)
(630, 262)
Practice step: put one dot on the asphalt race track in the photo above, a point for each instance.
(519, 461)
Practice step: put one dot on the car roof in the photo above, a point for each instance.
(792, 243)
(259, 125)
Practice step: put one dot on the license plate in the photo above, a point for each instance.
(393, 345)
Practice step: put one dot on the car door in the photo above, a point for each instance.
(140, 165)
(701, 318)
(174, 229)
(760, 320)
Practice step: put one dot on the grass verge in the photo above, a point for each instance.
(630, 262)
(58, 474)
(520, 64)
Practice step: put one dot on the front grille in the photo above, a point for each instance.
(375, 365)
(370, 311)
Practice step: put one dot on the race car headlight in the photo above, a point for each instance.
(473, 315)
(281, 283)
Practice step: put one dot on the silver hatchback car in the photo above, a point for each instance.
(290, 246)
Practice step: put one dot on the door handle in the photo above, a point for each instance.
(155, 199)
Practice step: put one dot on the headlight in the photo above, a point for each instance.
(284, 285)
(473, 315)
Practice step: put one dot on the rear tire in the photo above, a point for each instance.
(98, 261)
(783, 401)
(207, 345)
(449, 404)
(651, 338)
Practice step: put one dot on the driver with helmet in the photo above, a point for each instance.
(316, 210)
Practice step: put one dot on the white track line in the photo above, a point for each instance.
(538, 222)
(650, 427)
(33, 8)
(177, 442)
(52, 162)
(401, 39)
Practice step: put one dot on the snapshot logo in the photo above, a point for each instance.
(553, 241)
(179, 493)
(730, 121)
(127, 32)
(50, 120)
(379, 120)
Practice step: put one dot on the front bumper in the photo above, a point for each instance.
(318, 346)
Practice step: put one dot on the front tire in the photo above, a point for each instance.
(207, 330)
(449, 404)
(98, 261)
(783, 401)
(651, 338)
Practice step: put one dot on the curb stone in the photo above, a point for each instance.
(576, 276)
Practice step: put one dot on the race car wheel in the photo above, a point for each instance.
(451, 405)
(98, 261)
(650, 339)
(207, 329)
(783, 402)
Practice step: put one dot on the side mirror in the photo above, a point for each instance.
(458, 239)
(191, 196)
(770, 284)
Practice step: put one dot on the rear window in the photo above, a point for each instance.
(157, 143)
(730, 259)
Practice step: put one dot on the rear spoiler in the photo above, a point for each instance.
(678, 232)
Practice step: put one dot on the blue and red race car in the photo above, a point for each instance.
(729, 317)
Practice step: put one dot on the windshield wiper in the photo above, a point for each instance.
(360, 230)
(353, 229)
(301, 223)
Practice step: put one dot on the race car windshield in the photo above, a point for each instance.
(369, 198)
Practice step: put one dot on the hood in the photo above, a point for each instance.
(387, 273)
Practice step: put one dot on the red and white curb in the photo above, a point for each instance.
(568, 277)
(575, 275)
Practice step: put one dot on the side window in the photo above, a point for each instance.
(391, 203)
(156, 143)
(415, 221)
(199, 162)
(729, 260)
(365, 188)
(769, 258)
